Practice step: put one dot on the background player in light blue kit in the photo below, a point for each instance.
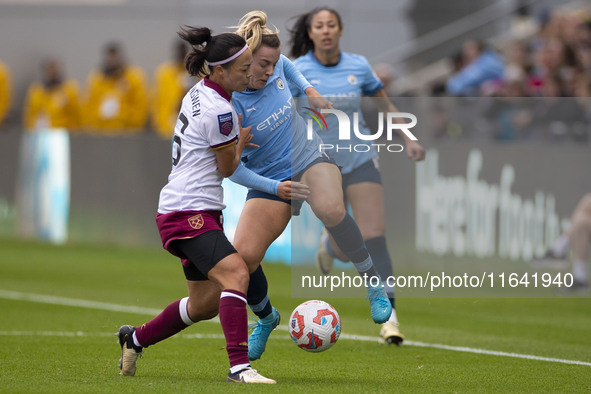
(344, 78)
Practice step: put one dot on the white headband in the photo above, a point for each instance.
(234, 56)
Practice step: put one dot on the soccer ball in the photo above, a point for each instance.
(314, 326)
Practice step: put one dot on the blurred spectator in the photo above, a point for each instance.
(559, 59)
(560, 47)
(582, 130)
(552, 87)
(518, 72)
(549, 62)
(439, 88)
(523, 25)
(172, 83)
(584, 32)
(5, 91)
(583, 95)
(117, 95)
(555, 114)
(52, 102)
(480, 65)
(561, 51)
(517, 65)
(583, 48)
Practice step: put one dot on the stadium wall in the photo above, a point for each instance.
(482, 201)
(467, 200)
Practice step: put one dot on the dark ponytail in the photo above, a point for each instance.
(300, 41)
(208, 48)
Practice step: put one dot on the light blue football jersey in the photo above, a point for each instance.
(277, 127)
(344, 84)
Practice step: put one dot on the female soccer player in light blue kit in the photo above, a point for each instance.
(276, 169)
(344, 78)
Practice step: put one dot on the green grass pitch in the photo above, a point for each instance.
(62, 345)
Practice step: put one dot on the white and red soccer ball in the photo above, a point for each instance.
(314, 326)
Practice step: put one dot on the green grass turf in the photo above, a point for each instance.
(56, 348)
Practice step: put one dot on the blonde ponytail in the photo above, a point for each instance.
(253, 28)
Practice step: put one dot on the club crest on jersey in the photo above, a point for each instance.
(225, 123)
(352, 79)
(196, 221)
(280, 84)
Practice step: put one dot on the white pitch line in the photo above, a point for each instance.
(496, 353)
(104, 306)
(93, 334)
(472, 350)
(45, 299)
(54, 334)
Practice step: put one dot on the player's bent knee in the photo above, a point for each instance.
(331, 214)
(242, 277)
(251, 255)
(236, 276)
(254, 264)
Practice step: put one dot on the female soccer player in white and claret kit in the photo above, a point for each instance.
(207, 146)
(344, 78)
(286, 166)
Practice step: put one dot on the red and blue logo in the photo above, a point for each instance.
(225, 123)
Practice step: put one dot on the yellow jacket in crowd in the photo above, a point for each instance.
(5, 91)
(172, 83)
(117, 104)
(53, 107)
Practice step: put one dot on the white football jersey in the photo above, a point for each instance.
(207, 121)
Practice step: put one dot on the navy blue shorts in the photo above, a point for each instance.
(367, 172)
(296, 205)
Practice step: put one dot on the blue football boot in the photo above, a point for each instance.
(257, 341)
(381, 309)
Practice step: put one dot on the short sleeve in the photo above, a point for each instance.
(220, 128)
(371, 83)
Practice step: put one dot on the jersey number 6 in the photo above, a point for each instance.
(177, 140)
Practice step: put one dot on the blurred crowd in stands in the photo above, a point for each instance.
(546, 56)
(116, 99)
(537, 78)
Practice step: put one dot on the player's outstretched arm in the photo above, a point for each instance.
(316, 100)
(287, 190)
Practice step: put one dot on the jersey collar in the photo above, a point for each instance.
(311, 53)
(212, 85)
